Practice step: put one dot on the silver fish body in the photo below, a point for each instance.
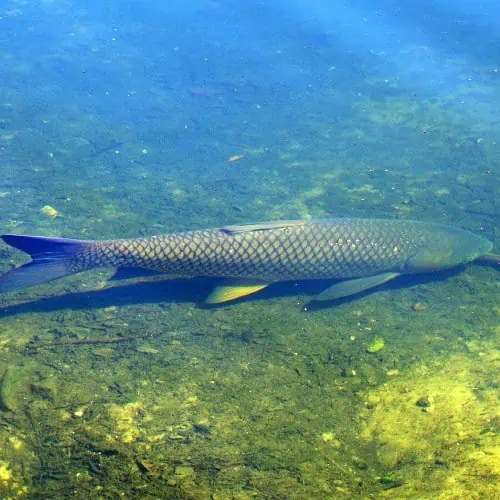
(294, 250)
(264, 253)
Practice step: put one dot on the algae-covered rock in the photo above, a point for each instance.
(104, 352)
(330, 438)
(428, 413)
(50, 211)
(22, 379)
(184, 471)
(146, 349)
(14, 385)
(376, 345)
(45, 389)
(126, 420)
(5, 472)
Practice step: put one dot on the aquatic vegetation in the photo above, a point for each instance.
(50, 211)
(440, 420)
(132, 388)
(376, 345)
(125, 420)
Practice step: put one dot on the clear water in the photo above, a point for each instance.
(120, 119)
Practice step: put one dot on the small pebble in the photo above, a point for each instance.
(373, 400)
(423, 402)
(360, 463)
(419, 307)
(145, 349)
(393, 373)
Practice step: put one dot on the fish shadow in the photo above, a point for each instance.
(400, 283)
(124, 294)
(196, 290)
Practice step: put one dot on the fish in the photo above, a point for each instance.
(364, 253)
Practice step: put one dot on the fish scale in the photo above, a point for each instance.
(368, 252)
(316, 249)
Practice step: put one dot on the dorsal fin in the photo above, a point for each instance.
(262, 226)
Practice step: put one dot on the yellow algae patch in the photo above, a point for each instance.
(300, 206)
(442, 414)
(9, 486)
(365, 189)
(442, 192)
(191, 400)
(16, 443)
(402, 208)
(50, 211)
(331, 439)
(327, 436)
(313, 193)
(377, 345)
(126, 421)
(175, 191)
(111, 211)
(5, 472)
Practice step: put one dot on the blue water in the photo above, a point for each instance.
(138, 118)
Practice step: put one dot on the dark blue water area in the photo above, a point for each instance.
(134, 62)
(117, 90)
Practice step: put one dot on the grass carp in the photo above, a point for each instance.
(362, 252)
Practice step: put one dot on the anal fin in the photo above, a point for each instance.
(234, 289)
(351, 287)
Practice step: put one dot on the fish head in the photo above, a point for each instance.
(447, 247)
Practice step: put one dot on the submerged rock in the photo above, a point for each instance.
(45, 389)
(184, 471)
(13, 387)
(377, 345)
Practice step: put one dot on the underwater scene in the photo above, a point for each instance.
(335, 333)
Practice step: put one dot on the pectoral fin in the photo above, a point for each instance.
(234, 289)
(350, 287)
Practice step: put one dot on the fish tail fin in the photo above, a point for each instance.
(50, 260)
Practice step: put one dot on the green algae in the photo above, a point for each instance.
(208, 401)
(376, 345)
(260, 398)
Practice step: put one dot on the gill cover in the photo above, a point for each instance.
(427, 260)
